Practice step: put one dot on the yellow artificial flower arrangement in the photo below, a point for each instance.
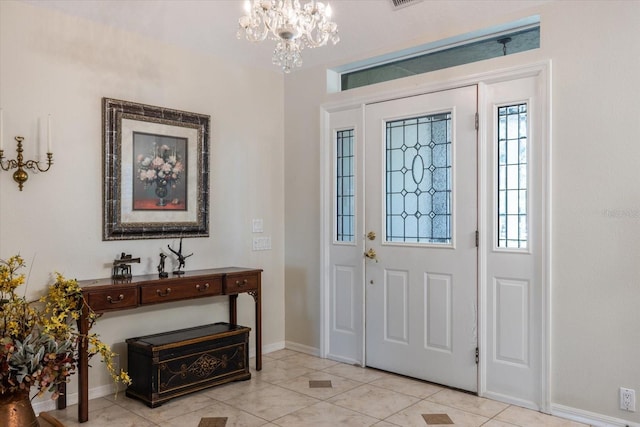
(39, 340)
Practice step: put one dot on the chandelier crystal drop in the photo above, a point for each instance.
(292, 26)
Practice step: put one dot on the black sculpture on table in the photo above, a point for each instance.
(161, 271)
(121, 268)
(181, 258)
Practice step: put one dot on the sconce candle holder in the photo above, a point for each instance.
(20, 176)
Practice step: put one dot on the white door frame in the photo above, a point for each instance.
(542, 71)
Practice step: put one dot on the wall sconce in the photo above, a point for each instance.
(20, 175)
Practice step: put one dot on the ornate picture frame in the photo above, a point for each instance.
(155, 172)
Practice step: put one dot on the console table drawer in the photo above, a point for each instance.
(234, 284)
(174, 291)
(112, 299)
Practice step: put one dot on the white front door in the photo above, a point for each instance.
(420, 222)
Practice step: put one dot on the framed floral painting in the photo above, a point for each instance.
(156, 172)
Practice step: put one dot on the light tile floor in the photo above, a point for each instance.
(279, 395)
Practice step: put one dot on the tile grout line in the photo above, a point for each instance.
(494, 418)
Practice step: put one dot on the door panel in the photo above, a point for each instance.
(514, 243)
(345, 323)
(512, 321)
(344, 288)
(396, 310)
(421, 199)
(439, 310)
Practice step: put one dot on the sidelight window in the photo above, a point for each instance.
(512, 176)
(345, 183)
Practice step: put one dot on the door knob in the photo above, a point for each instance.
(371, 254)
(371, 235)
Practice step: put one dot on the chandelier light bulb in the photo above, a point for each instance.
(292, 26)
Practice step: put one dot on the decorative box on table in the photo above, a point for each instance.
(170, 364)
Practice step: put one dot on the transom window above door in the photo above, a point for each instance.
(481, 45)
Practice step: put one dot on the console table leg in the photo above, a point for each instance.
(258, 302)
(233, 309)
(83, 369)
(258, 317)
(62, 396)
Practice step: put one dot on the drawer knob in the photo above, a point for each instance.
(163, 294)
(203, 287)
(241, 283)
(112, 301)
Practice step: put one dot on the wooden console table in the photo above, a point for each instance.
(107, 295)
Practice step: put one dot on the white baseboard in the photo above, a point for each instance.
(266, 349)
(313, 351)
(591, 418)
(573, 414)
(47, 405)
(72, 398)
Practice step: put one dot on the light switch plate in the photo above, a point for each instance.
(261, 243)
(257, 225)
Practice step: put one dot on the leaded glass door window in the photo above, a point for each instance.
(418, 179)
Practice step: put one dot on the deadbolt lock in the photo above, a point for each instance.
(371, 235)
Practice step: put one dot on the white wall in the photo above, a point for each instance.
(595, 52)
(52, 63)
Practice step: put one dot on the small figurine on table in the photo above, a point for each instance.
(121, 267)
(161, 271)
(181, 258)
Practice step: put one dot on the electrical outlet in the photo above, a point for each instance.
(627, 399)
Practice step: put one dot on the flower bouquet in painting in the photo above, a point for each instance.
(163, 169)
(39, 339)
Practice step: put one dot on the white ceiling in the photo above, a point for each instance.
(366, 27)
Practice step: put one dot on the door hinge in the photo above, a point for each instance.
(477, 121)
(477, 238)
(477, 355)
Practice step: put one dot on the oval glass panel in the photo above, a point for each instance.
(417, 169)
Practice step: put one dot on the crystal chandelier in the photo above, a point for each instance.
(292, 26)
